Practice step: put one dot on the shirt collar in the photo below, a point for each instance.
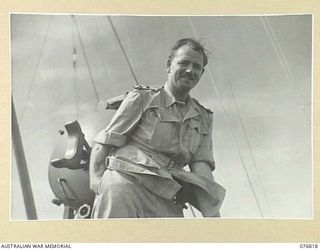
(170, 99)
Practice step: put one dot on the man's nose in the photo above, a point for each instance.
(189, 69)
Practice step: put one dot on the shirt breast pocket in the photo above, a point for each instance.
(165, 130)
(196, 131)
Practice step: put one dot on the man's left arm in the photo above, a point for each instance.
(202, 165)
(203, 169)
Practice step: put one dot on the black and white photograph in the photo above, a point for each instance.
(146, 116)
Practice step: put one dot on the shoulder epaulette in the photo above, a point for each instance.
(203, 107)
(145, 87)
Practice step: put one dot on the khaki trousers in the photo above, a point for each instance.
(120, 195)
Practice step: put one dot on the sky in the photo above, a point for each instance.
(257, 83)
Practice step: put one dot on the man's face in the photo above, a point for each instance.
(185, 69)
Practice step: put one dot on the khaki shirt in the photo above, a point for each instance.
(154, 118)
(152, 121)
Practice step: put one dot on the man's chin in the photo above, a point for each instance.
(187, 84)
(186, 81)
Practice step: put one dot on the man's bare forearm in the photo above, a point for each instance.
(202, 169)
(97, 166)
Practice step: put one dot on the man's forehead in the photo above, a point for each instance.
(187, 51)
(187, 48)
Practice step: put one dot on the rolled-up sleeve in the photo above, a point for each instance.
(205, 151)
(123, 122)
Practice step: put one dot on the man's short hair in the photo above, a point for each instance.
(194, 44)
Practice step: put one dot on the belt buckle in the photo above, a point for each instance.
(171, 164)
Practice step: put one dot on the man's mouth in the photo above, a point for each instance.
(187, 77)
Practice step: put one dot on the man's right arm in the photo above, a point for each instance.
(114, 135)
(97, 165)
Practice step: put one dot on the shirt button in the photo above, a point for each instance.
(174, 199)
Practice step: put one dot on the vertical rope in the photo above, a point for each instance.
(74, 67)
(122, 49)
(36, 70)
(283, 61)
(231, 131)
(249, 145)
(85, 57)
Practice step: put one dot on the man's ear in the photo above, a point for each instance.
(168, 64)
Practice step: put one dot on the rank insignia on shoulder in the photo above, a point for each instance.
(203, 107)
(145, 87)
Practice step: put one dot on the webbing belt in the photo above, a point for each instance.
(163, 160)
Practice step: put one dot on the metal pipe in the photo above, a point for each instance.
(22, 167)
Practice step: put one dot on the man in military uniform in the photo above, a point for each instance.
(138, 163)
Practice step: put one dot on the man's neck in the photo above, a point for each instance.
(179, 95)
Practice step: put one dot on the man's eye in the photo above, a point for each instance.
(197, 67)
(183, 63)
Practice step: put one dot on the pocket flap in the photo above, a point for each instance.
(167, 116)
(201, 127)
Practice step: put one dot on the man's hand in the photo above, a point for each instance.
(97, 165)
